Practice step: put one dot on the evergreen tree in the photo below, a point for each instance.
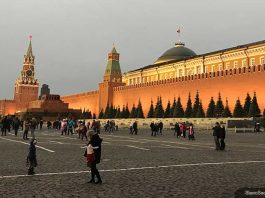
(188, 112)
(219, 108)
(118, 113)
(178, 111)
(133, 112)
(247, 105)
(101, 114)
(211, 109)
(112, 112)
(151, 111)
(167, 111)
(94, 116)
(107, 110)
(122, 114)
(140, 113)
(200, 112)
(127, 112)
(227, 113)
(159, 111)
(264, 113)
(196, 105)
(238, 111)
(254, 110)
(173, 108)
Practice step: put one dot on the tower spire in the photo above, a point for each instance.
(29, 52)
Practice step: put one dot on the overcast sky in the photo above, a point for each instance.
(71, 38)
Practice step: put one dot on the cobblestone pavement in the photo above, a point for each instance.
(133, 166)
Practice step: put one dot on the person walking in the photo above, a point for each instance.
(191, 132)
(16, 124)
(135, 128)
(216, 135)
(32, 126)
(41, 124)
(153, 129)
(31, 158)
(26, 129)
(222, 137)
(160, 127)
(93, 154)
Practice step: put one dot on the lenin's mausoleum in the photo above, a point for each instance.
(233, 72)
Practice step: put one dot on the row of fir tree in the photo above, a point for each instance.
(193, 110)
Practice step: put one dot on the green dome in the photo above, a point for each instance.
(178, 52)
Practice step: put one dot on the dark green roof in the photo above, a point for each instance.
(113, 67)
(176, 53)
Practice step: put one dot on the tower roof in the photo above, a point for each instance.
(29, 52)
(113, 65)
(113, 50)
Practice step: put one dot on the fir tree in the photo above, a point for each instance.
(264, 113)
(227, 113)
(133, 112)
(219, 108)
(151, 110)
(118, 113)
(167, 111)
(247, 105)
(196, 105)
(178, 111)
(122, 114)
(127, 112)
(140, 113)
(173, 108)
(94, 116)
(200, 112)
(238, 111)
(254, 110)
(211, 109)
(188, 112)
(107, 110)
(159, 111)
(101, 114)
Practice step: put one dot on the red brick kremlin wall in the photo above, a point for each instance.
(88, 101)
(231, 84)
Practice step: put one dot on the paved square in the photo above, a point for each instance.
(133, 166)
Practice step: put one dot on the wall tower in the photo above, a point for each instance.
(26, 86)
(112, 78)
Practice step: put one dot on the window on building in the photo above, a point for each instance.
(134, 81)
(138, 80)
(252, 61)
(180, 73)
(130, 81)
(148, 79)
(220, 67)
(206, 69)
(244, 63)
(198, 70)
(235, 64)
(213, 67)
(262, 61)
(227, 66)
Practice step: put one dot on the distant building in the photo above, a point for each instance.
(45, 90)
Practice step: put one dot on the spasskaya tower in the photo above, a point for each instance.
(26, 86)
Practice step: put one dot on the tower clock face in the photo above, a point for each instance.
(29, 73)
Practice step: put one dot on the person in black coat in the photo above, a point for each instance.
(95, 141)
(216, 135)
(31, 158)
(222, 137)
